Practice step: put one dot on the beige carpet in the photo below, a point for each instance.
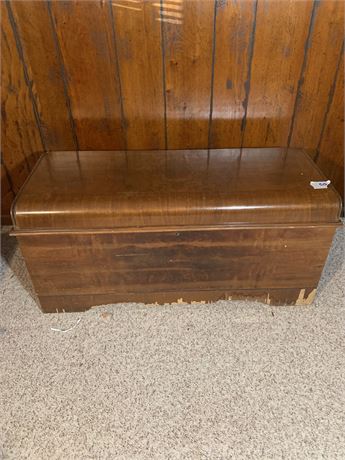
(230, 380)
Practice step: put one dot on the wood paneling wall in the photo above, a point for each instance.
(135, 74)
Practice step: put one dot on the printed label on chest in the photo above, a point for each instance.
(320, 184)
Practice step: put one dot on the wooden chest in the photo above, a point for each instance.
(167, 226)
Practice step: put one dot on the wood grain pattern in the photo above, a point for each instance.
(74, 270)
(7, 196)
(20, 136)
(188, 35)
(277, 60)
(85, 35)
(322, 59)
(138, 37)
(45, 72)
(89, 190)
(95, 68)
(331, 151)
(114, 226)
(233, 43)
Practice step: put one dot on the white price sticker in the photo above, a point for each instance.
(320, 184)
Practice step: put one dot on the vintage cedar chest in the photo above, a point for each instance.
(153, 226)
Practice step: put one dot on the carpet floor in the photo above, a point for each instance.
(229, 380)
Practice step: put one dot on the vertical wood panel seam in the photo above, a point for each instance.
(63, 75)
(163, 75)
(329, 102)
(25, 71)
(9, 178)
(212, 73)
(249, 73)
(117, 65)
(303, 67)
(22, 153)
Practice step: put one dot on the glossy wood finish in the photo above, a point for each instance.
(271, 106)
(20, 136)
(270, 263)
(183, 187)
(234, 42)
(86, 39)
(317, 76)
(46, 71)
(188, 35)
(138, 37)
(331, 157)
(196, 225)
(6, 194)
(197, 74)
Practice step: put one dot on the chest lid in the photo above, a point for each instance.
(118, 189)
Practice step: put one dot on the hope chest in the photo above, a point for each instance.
(98, 227)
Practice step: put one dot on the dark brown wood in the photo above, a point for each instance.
(20, 136)
(85, 34)
(95, 68)
(276, 264)
(138, 39)
(196, 187)
(277, 61)
(7, 196)
(188, 45)
(331, 151)
(234, 40)
(201, 225)
(324, 49)
(46, 72)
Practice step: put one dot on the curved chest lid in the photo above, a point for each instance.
(118, 189)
